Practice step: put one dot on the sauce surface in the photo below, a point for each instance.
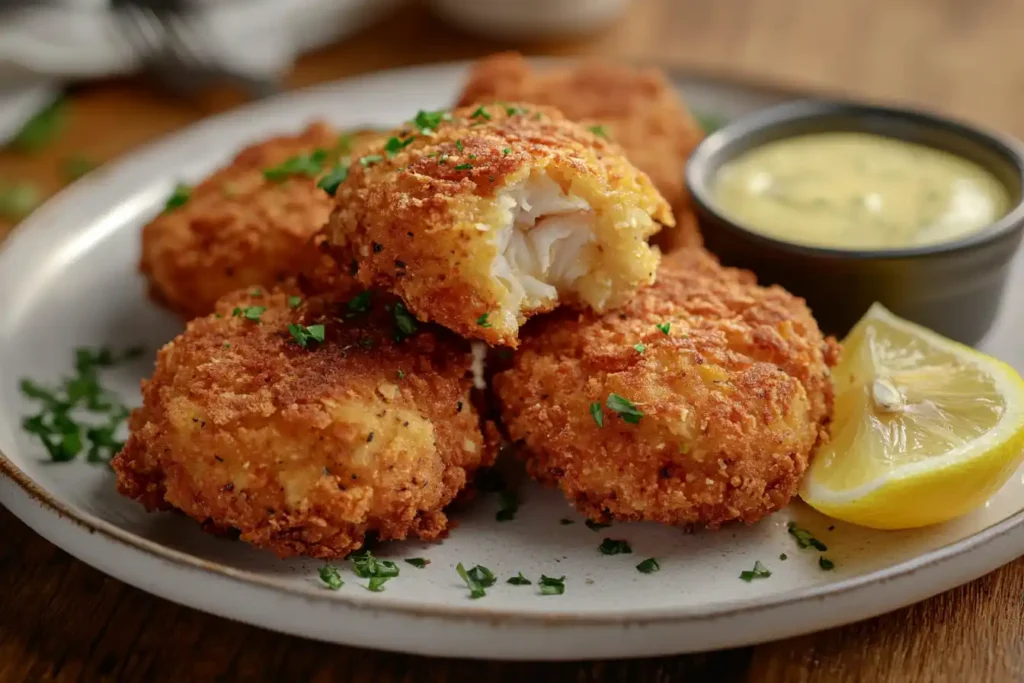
(858, 191)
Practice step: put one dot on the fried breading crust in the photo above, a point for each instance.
(415, 222)
(734, 397)
(637, 108)
(238, 228)
(305, 450)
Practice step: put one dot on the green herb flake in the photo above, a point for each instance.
(178, 197)
(565, 521)
(428, 121)
(758, 572)
(599, 131)
(477, 579)
(482, 320)
(480, 112)
(366, 566)
(783, 557)
(395, 145)
(294, 302)
(512, 111)
(519, 580)
(330, 182)
(664, 327)
(331, 577)
(18, 199)
(596, 526)
(74, 167)
(648, 566)
(300, 165)
(252, 313)
(611, 546)
(405, 323)
(463, 167)
(418, 562)
(370, 160)
(401, 374)
(597, 414)
(506, 151)
(360, 303)
(709, 122)
(804, 538)
(458, 145)
(303, 334)
(826, 564)
(508, 505)
(640, 348)
(551, 586)
(624, 408)
(40, 130)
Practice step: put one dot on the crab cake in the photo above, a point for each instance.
(485, 216)
(305, 426)
(699, 403)
(247, 224)
(636, 107)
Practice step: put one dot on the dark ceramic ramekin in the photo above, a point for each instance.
(952, 287)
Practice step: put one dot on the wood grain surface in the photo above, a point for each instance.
(63, 621)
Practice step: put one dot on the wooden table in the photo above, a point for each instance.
(63, 621)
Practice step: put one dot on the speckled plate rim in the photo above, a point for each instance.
(1003, 541)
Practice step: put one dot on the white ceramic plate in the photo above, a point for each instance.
(68, 279)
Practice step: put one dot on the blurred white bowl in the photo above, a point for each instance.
(530, 19)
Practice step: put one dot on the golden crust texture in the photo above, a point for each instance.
(637, 108)
(422, 220)
(237, 228)
(735, 397)
(305, 451)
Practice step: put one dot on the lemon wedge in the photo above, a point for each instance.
(925, 429)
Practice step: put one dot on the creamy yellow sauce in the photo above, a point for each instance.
(858, 191)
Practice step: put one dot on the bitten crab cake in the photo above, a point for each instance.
(699, 403)
(636, 107)
(307, 425)
(247, 224)
(482, 217)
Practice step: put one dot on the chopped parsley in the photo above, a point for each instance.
(519, 580)
(625, 408)
(40, 130)
(294, 301)
(370, 160)
(302, 164)
(360, 303)
(418, 562)
(463, 167)
(565, 521)
(826, 564)
(804, 538)
(482, 320)
(60, 423)
(599, 131)
(366, 566)
(74, 167)
(596, 526)
(480, 112)
(401, 374)
(640, 348)
(551, 586)
(478, 579)
(428, 121)
(648, 566)
(508, 505)
(405, 323)
(395, 145)
(252, 313)
(783, 557)
(664, 327)
(18, 199)
(331, 577)
(512, 111)
(597, 413)
(758, 572)
(458, 144)
(303, 334)
(506, 151)
(178, 197)
(330, 182)
(709, 122)
(611, 546)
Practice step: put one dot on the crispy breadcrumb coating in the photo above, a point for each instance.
(305, 451)
(636, 107)
(489, 215)
(238, 228)
(732, 381)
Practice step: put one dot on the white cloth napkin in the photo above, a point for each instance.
(43, 47)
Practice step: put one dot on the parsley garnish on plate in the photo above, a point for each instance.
(508, 505)
(783, 557)
(331, 577)
(664, 327)
(758, 572)
(640, 348)
(405, 323)
(709, 122)
(294, 301)
(366, 566)
(551, 586)
(478, 579)
(506, 151)
(826, 564)
(360, 303)
(463, 167)
(303, 334)
(330, 182)
(395, 145)
(519, 580)
(611, 546)
(40, 130)
(74, 167)
(599, 131)
(458, 145)
(428, 121)
(302, 164)
(597, 413)
(625, 408)
(804, 538)
(482, 320)
(178, 197)
(418, 562)
(596, 526)
(480, 112)
(252, 313)
(648, 566)
(565, 521)
(370, 160)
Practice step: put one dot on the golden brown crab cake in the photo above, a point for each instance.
(636, 107)
(241, 228)
(305, 425)
(699, 403)
(484, 216)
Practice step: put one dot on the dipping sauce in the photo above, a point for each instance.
(858, 191)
